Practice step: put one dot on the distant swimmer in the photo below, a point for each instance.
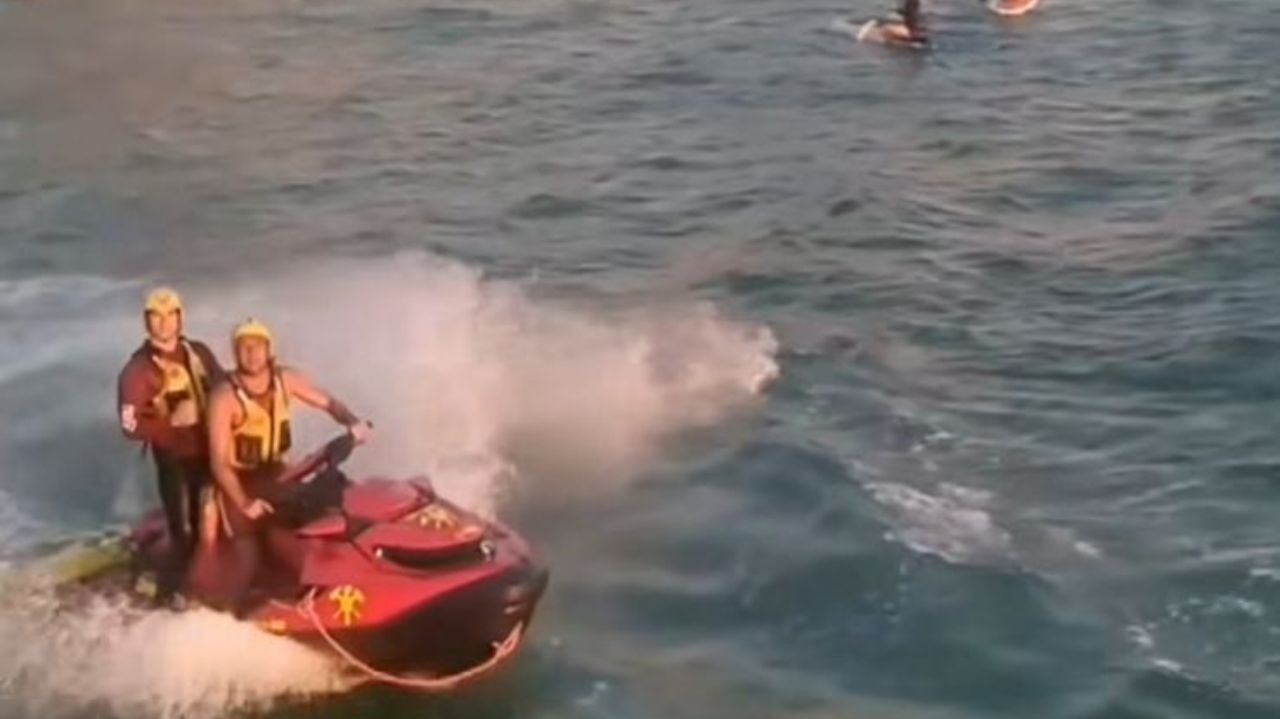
(904, 29)
(1011, 7)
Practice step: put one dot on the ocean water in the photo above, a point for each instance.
(831, 381)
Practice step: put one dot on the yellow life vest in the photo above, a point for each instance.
(263, 436)
(182, 381)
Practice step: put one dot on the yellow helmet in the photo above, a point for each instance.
(162, 300)
(251, 328)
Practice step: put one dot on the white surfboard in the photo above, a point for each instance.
(869, 31)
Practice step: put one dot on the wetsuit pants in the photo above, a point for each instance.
(180, 481)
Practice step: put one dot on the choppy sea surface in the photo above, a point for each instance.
(831, 381)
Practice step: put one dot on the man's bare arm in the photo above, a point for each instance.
(222, 407)
(302, 389)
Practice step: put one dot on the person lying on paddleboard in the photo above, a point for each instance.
(908, 27)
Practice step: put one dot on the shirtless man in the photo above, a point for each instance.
(249, 436)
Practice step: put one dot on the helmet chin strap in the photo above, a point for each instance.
(167, 346)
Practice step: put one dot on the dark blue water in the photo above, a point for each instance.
(1018, 458)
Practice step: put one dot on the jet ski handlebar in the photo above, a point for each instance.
(312, 486)
(330, 456)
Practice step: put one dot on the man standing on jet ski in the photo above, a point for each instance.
(161, 401)
(249, 434)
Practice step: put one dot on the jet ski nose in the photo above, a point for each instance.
(521, 595)
(518, 599)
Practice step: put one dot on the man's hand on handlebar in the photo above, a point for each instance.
(258, 508)
(361, 431)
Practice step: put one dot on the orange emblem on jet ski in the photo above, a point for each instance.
(435, 517)
(348, 600)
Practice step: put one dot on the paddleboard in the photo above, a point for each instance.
(1012, 8)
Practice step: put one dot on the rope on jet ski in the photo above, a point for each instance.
(501, 651)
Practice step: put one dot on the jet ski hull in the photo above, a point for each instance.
(401, 584)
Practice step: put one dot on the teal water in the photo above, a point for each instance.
(831, 381)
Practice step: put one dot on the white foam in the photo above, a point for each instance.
(160, 665)
(56, 319)
(946, 524)
(1087, 549)
(469, 379)
(1271, 574)
(458, 371)
(17, 527)
(1235, 605)
(1140, 636)
(1066, 538)
(1169, 666)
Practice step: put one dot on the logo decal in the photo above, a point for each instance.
(435, 517)
(348, 600)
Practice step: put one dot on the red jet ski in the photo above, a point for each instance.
(405, 586)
